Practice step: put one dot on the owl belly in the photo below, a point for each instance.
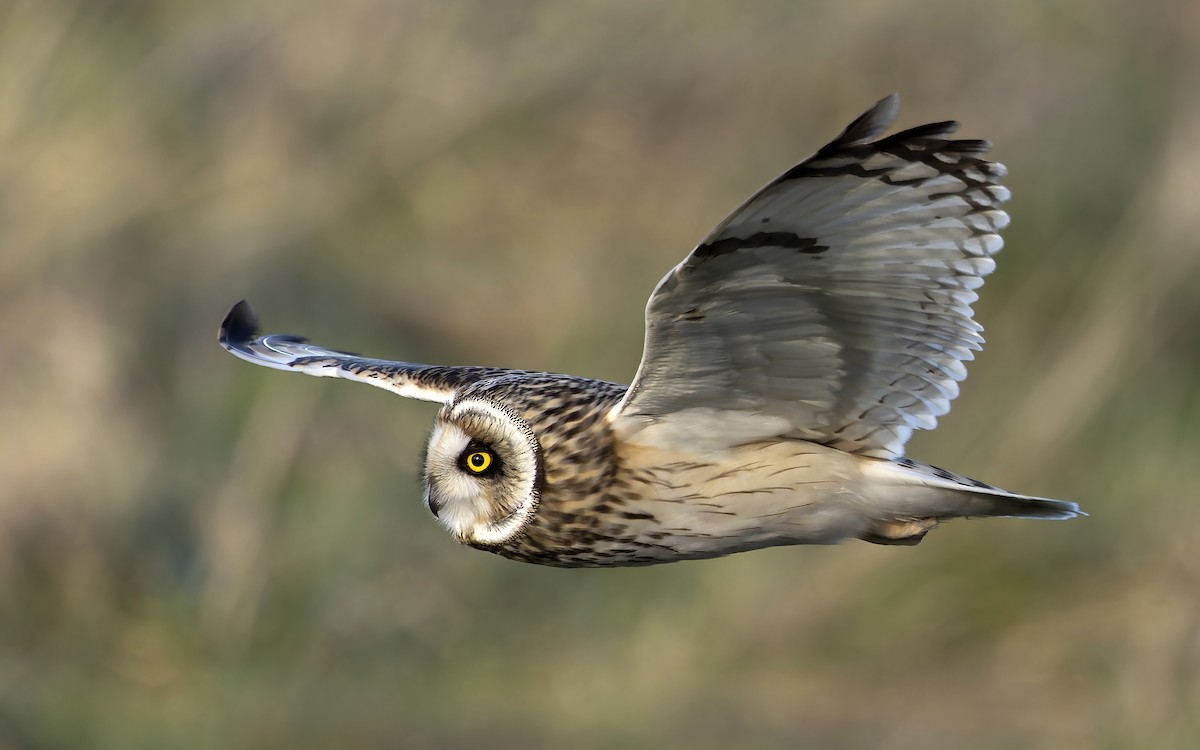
(666, 505)
(752, 496)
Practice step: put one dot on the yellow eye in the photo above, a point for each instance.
(478, 462)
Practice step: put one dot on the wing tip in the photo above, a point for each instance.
(239, 327)
(1061, 510)
(882, 115)
(874, 122)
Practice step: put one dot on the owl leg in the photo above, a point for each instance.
(905, 532)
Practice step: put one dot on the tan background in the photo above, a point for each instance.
(198, 553)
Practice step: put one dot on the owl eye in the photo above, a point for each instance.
(478, 461)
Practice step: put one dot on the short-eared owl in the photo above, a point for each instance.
(787, 360)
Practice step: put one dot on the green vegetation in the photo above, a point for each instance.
(197, 553)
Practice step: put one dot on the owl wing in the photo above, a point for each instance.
(240, 335)
(834, 305)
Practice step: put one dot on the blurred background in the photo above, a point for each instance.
(198, 553)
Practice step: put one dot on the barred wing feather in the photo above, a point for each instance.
(240, 335)
(834, 305)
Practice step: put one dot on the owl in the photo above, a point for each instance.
(787, 360)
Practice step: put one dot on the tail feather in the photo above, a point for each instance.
(924, 495)
(967, 502)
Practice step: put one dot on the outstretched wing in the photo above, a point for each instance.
(240, 335)
(834, 305)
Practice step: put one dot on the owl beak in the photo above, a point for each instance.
(434, 507)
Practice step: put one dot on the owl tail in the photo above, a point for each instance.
(924, 495)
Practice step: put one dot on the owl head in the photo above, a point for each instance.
(504, 443)
(483, 470)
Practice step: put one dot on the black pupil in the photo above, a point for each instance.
(477, 459)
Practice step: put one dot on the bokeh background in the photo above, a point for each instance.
(197, 553)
